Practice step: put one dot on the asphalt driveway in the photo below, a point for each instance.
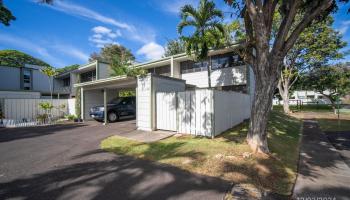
(341, 141)
(65, 162)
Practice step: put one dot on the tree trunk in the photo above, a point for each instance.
(257, 135)
(283, 89)
(209, 73)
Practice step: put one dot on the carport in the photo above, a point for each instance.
(100, 92)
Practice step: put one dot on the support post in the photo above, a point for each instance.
(105, 106)
(82, 103)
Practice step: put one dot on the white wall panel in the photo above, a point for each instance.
(230, 108)
(220, 77)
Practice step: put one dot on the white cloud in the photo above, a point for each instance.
(77, 10)
(175, 6)
(151, 51)
(101, 30)
(103, 35)
(344, 27)
(71, 51)
(27, 45)
(132, 33)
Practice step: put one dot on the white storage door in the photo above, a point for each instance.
(166, 111)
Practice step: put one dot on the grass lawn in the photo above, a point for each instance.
(334, 124)
(313, 108)
(327, 120)
(223, 156)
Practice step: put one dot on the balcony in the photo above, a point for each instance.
(63, 90)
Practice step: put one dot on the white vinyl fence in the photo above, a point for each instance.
(30, 109)
(231, 108)
(202, 112)
(24, 112)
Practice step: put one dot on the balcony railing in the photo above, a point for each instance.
(63, 90)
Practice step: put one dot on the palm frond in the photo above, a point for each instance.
(188, 11)
(183, 24)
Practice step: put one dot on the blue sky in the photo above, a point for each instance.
(69, 31)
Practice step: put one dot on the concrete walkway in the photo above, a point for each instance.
(146, 136)
(322, 171)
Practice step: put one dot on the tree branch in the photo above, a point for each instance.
(307, 19)
(269, 10)
(286, 24)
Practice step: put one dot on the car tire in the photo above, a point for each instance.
(112, 116)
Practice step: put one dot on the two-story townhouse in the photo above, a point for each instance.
(227, 72)
(28, 82)
(23, 82)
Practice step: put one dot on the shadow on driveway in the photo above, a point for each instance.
(65, 162)
(9, 134)
(120, 178)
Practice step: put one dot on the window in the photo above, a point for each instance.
(88, 76)
(236, 88)
(66, 82)
(217, 62)
(225, 60)
(27, 79)
(163, 70)
(191, 66)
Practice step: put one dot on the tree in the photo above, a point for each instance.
(207, 29)
(174, 47)
(332, 82)
(67, 68)
(316, 46)
(50, 72)
(265, 51)
(14, 58)
(118, 56)
(5, 14)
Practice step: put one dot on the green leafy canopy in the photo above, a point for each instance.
(14, 58)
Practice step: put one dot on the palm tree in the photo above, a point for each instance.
(50, 72)
(208, 29)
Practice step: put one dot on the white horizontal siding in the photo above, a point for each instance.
(220, 77)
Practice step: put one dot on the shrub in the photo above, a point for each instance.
(71, 117)
(42, 118)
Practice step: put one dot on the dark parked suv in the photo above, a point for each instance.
(117, 108)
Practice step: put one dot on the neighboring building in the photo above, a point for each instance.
(30, 82)
(304, 97)
(178, 73)
(28, 79)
